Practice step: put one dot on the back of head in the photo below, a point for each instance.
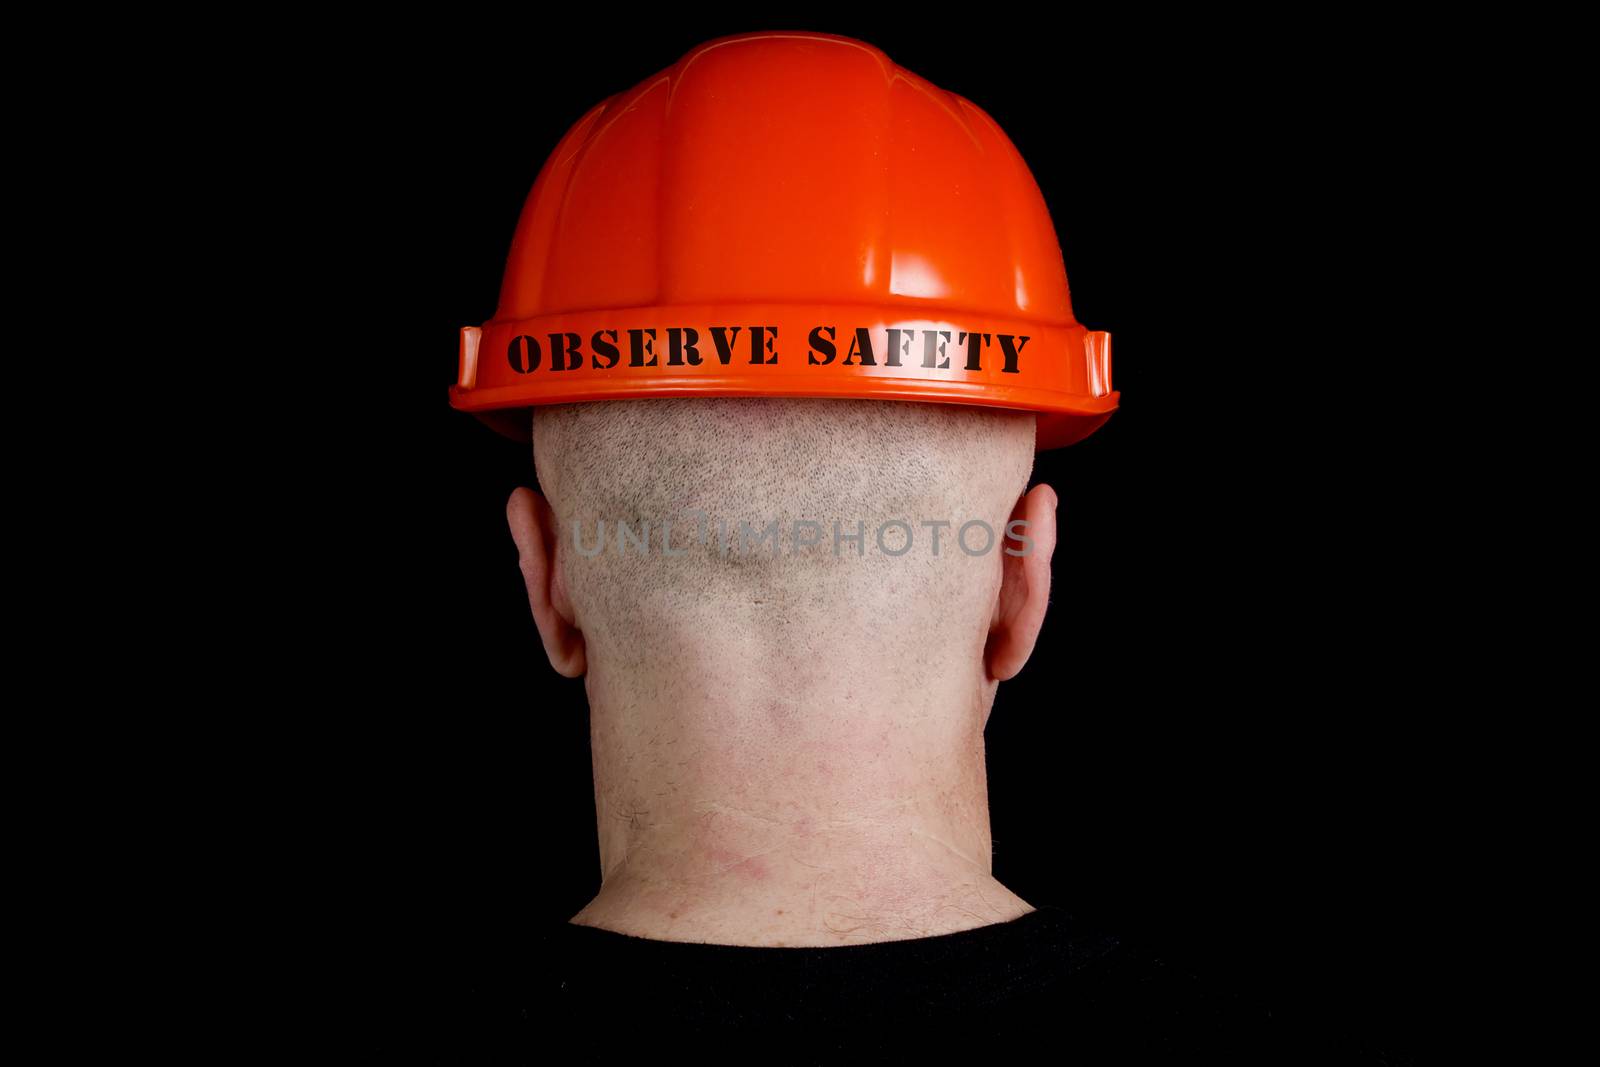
(791, 613)
(773, 539)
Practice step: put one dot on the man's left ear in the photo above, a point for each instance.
(533, 528)
(1026, 547)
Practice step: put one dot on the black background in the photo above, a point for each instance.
(1216, 744)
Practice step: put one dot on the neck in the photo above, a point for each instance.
(814, 811)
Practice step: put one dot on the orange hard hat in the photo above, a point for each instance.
(787, 214)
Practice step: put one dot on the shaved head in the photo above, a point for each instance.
(806, 519)
(791, 617)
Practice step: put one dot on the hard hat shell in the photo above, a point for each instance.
(787, 214)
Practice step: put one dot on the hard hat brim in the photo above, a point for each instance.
(1062, 372)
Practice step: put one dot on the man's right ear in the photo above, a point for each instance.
(1024, 585)
(534, 529)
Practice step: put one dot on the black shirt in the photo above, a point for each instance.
(1042, 985)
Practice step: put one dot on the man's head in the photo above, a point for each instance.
(759, 542)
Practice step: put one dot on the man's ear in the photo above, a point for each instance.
(533, 528)
(1026, 548)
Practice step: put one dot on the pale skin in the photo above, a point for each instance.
(856, 812)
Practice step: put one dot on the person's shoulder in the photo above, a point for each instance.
(1054, 979)
(1119, 998)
